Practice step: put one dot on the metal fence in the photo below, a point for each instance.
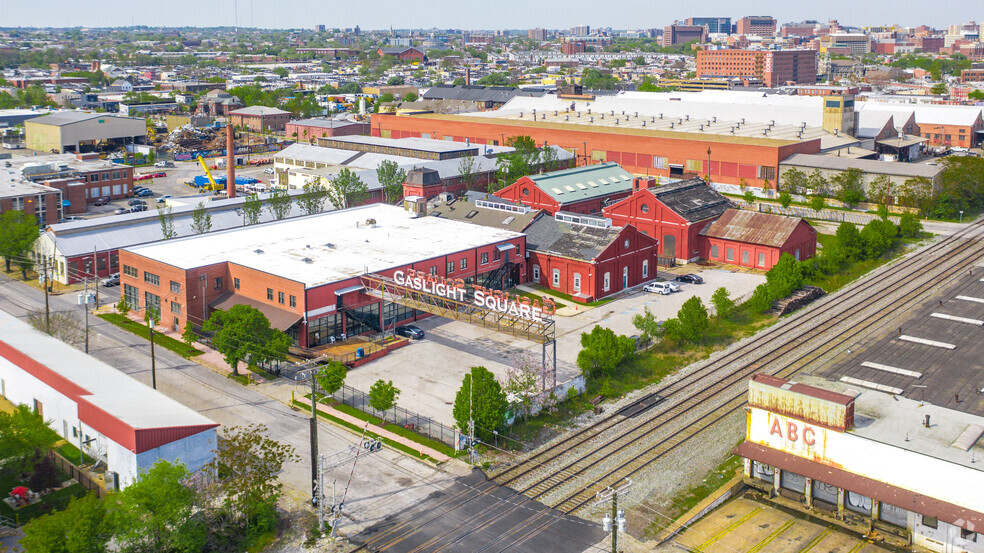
(425, 426)
(81, 476)
(834, 215)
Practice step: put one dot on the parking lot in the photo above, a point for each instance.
(429, 371)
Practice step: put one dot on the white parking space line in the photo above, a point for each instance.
(890, 369)
(925, 342)
(872, 385)
(957, 319)
(968, 298)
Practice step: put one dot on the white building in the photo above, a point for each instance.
(115, 419)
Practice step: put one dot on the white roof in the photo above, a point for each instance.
(926, 114)
(328, 247)
(334, 156)
(116, 393)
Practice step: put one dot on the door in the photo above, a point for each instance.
(669, 246)
(625, 277)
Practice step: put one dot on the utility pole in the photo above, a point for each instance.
(47, 306)
(314, 439)
(95, 275)
(615, 522)
(85, 309)
(153, 362)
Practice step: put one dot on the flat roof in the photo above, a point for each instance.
(259, 110)
(328, 247)
(873, 166)
(14, 186)
(63, 118)
(421, 144)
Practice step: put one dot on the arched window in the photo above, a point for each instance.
(556, 277)
(577, 282)
(536, 273)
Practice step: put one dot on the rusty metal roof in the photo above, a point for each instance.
(751, 227)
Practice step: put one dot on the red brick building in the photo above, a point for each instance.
(774, 67)
(757, 240)
(309, 130)
(674, 214)
(260, 118)
(83, 178)
(573, 47)
(402, 54)
(641, 151)
(583, 189)
(756, 25)
(34, 199)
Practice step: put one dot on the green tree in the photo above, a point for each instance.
(850, 186)
(347, 189)
(279, 203)
(244, 332)
(939, 89)
(849, 239)
(410, 97)
(749, 197)
(391, 177)
(252, 207)
(647, 325)
(976, 95)
(201, 219)
(494, 79)
(155, 513)
(83, 527)
(602, 351)
(18, 231)
(331, 377)
(485, 403)
(785, 199)
(794, 181)
(467, 171)
(693, 319)
(909, 225)
(167, 222)
(723, 304)
(189, 336)
(382, 395)
(817, 203)
(785, 276)
(395, 81)
(281, 72)
(313, 199)
(818, 183)
(24, 437)
(877, 237)
(122, 307)
(880, 190)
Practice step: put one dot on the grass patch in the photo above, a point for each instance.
(358, 430)
(54, 501)
(166, 342)
(267, 375)
(533, 296)
(70, 452)
(240, 378)
(567, 297)
(688, 499)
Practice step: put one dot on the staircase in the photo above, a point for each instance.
(493, 280)
(7, 525)
(358, 316)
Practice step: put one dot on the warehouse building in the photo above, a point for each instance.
(585, 189)
(304, 273)
(113, 418)
(756, 240)
(885, 464)
(44, 202)
(82, 178)
(260, 118)
(79, 132)
(310, 130)
(830, 166)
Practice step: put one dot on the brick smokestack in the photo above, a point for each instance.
(230, 161)
(467, 76)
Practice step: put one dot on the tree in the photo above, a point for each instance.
(410, 97)
(64, 325)
(201, 220)
(693, 319)
(723, 304)
(527, 380)
(785, 199)
(122, 306)
(794, 181)
(880, 190)
(849, 238)
(313, 199)
(382, 395)
(189, 336)
(817, 203)
(785, 276)
(467, 171)
(83, 527)
(331, 377)
(244, 332)
(485, 403)
(818, 183)
(494, 79)
(749, 197)
(18, 231)
(938, 89)
(647, 324)
(252, 207)
(602, 351)
(347, 189)
(279, 203)
(977, 95)
(850, 186)
(909, 225)
(44, 477)
(24, 436)
(395, 81)
(877, 237)
(155, 513)
(167, 222)
(391, 177)
(281, 72)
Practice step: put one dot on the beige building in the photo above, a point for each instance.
(74, 131)
(830, 166)
(260, 118)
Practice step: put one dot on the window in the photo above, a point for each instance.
(235, 283)
(796, 254)
(176, 287)
(714, 252)
(293, 300)
(450, 266)
(151, 278)
(767, 173)
(693, 165)
(930, 522)
(627, 243)
(577, 282)
(128, 271)
(270, 294)
(761, 260)
(660, 162)
(608, 282)
(94, 177)
(433, 270)
(485, 259)
(280, 297)
(464, 263)
(556, 277)
(731, 254)
(152, 302)
(968, 535)
(132, 295)
(744, 257)
(496, 255)
(645, 268)
(116, 175)
(175, 308)
(644, 208)
(526, 191)
(105, 176)
(218, 283)
(536, 273)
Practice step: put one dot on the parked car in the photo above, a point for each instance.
(139, 188)
(665, 288)
(138, 207)
(71, 218)
(164, 164)
(268, 171)
(410, 331)
(691, 278)
(111, 280)
(136, 202)
(121, 210)
(164, 198)
(101, 201)
(142, 176)
(145, 192)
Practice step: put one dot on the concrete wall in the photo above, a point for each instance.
(193, 452)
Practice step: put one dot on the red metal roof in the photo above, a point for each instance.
(751, 227)
(881, 491)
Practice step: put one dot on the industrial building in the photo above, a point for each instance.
(310, 130)
(756, 240)
(583, 189)
(44, 202)
(260, 118)
(773, 67)
(82, 178)
(830, 166)
(74, 131)
(304, 273)
(880, 462)
(110, 416)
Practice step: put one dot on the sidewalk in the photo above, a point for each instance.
(382, 432)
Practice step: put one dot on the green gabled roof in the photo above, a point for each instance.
(584, 183)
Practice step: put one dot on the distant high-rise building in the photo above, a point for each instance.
(538, 34)
(574, 47)
(319, 28)
(713, 24)
(581, 30)
(756, 25)
(775, 68)
(682, 34)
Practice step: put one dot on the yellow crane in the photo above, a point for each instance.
(212, 184)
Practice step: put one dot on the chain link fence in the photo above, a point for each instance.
(425, 426)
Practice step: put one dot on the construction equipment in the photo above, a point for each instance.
(212, 185)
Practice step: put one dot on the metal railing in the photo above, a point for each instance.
(81, 476)
(420, 424)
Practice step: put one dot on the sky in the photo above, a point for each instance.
(468, 15)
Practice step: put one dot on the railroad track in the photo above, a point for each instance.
(543, 474)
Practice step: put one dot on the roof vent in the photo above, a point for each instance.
(714, 119)
(257, 250)
(329, 245)
(643, 123)
(671, 125)
(661, 116)
(307, 260)
(520, 115)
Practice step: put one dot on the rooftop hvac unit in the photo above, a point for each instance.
(643, 123)
(687, 116)
(715, 119)
(661, 116)
(702, 128)
(671, 125)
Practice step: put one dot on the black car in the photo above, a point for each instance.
(138, 207)
(410, 331)
(691, 278)
(101, 201)
(136, 202)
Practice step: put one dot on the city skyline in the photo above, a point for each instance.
(626, 14)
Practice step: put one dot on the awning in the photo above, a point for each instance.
(886, 493)
(506, 247)
(281, 319)
(66, 203)
(348, 290)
